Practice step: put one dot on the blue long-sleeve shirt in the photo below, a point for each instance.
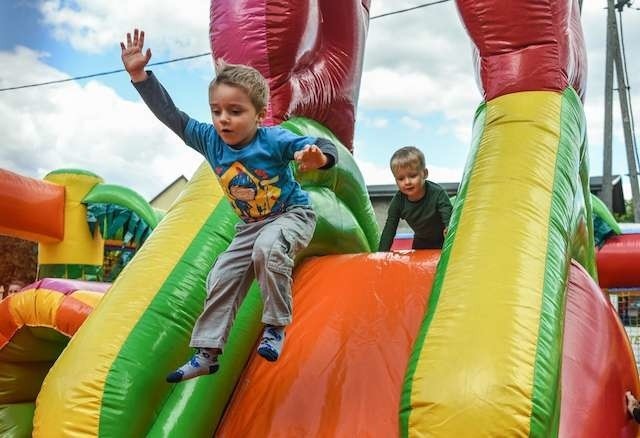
(256, 178)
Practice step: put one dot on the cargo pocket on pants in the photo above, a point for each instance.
(280, 256)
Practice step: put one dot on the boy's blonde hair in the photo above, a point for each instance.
(245, 77)
(408, 156)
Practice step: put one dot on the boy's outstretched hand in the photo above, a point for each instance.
(309, 158)
(132, 57)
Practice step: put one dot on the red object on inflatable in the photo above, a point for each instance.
(526, 46)
(311, 53)
(618, 262)
(402, 243)
(597, 366)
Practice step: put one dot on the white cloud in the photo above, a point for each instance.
(88, 127)
(444, 174)
(417, 63)
(453, 98)
(375, 122)
(171, 28)
(375, 174)
(380, 122)
(417, 92)
(420, 63)
(411, 123)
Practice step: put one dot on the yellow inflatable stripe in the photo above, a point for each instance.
(123, 306)
(88, 297)
(35, 307)
(475, 371)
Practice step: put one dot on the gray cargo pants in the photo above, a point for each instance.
(264, 250)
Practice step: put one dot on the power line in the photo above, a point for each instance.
(184, 58)
(104, 73)
(408, 9)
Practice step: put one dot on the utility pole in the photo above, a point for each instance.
(628, 135)
(614, 57)
(607, 189)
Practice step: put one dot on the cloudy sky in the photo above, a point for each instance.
(417, 88)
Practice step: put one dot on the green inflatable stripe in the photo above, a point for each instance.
(182, 414)
(34, 344)
(344, 179)
(74, 272)
(21, 381)
(16, 420)
(337, 232)
(24, 362)
(124, 197)
(436, 289)
(586, 255)
(129, 407)
(72, 172)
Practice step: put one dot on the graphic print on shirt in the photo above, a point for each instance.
(252, 195)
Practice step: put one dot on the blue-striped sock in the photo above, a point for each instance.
(271, 344)
(204, 361)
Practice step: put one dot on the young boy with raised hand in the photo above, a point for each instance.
(252, 165)
(422, 203)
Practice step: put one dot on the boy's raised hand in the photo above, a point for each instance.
(309, 158)
(132, 57)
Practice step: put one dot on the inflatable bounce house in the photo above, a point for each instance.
(505, 332)
(75, 219)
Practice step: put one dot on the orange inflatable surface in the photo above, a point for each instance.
(31, 209)
(355, 318)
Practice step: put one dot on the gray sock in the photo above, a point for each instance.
(271, 344)
(204, 361)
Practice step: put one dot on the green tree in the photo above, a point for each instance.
(18, 260)
(627, 216)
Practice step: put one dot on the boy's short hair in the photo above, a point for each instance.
(407, 156)
(245, 77)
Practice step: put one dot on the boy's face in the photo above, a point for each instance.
(410, 181)
(234, 116)
(13, 288)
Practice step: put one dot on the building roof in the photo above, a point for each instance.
(617, 201)
(176, 181)
(388, 190)
(382, 191)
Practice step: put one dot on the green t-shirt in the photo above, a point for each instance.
(427, 217)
